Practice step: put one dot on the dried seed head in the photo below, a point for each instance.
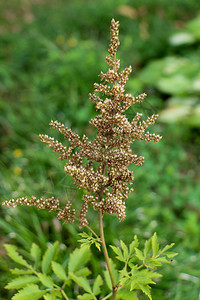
(101, 167)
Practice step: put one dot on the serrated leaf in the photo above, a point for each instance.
(86, 297)
(146, 290)
(118, 252)
(21, 282)
(147, 248)
(46, 280)
(49, 297)
(170, 254)
(134, 244)
(83, 272)
(167, 247)
(97, 283)
(17, 271)
(152, 262)
(125, 249)
(88, 239)
(139, 254)
(97, 245)
(124, 281)
(78, 258)
(49, 255)
(155, 245)
(163, 260)
(81, 281)
(58, 270)
(29, 292)
(14, 255)
(36, 253)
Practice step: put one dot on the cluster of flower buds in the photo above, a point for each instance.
(101, 167)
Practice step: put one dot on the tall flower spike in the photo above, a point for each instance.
(101, 167)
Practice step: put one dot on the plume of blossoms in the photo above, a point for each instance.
(101, 167)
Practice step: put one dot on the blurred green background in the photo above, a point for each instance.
(51, 54)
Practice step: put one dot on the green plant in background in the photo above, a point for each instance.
(178, 76)
(100, 169)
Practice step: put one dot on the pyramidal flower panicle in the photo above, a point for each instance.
(101, 167)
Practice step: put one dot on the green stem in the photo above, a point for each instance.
(105, 252)
(89, 228)
(94, 233)
(64, 295)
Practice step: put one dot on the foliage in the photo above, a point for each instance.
(177, 75)
(46, 277)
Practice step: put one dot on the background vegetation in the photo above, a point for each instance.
(51, 53)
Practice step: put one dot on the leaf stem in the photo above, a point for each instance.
(105, 252)
(64, 295)
(89, 228)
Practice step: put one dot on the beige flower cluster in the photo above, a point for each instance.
(101, 167)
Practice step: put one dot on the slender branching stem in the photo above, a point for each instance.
(89, 228)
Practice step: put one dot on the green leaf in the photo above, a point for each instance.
(29, 292)
(88, 240)
(139, 254)
(97, 245)
(83, 272)
(97, 283)
(125, 249)
(81, 281)
(107, 279)
(58, 270)
(17, 271)
(49, 255)
(155, 245)
(118, 251)
(49, 297)
(14, 255)
(146, 290)
(147, 248)
(152, 263)
(167, 247)
(134, 244)
(21, 281)
(78, 258)
(45, 280)
(170, 254)
(163, 260)
(36, 253)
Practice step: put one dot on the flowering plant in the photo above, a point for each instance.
(100, 168)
